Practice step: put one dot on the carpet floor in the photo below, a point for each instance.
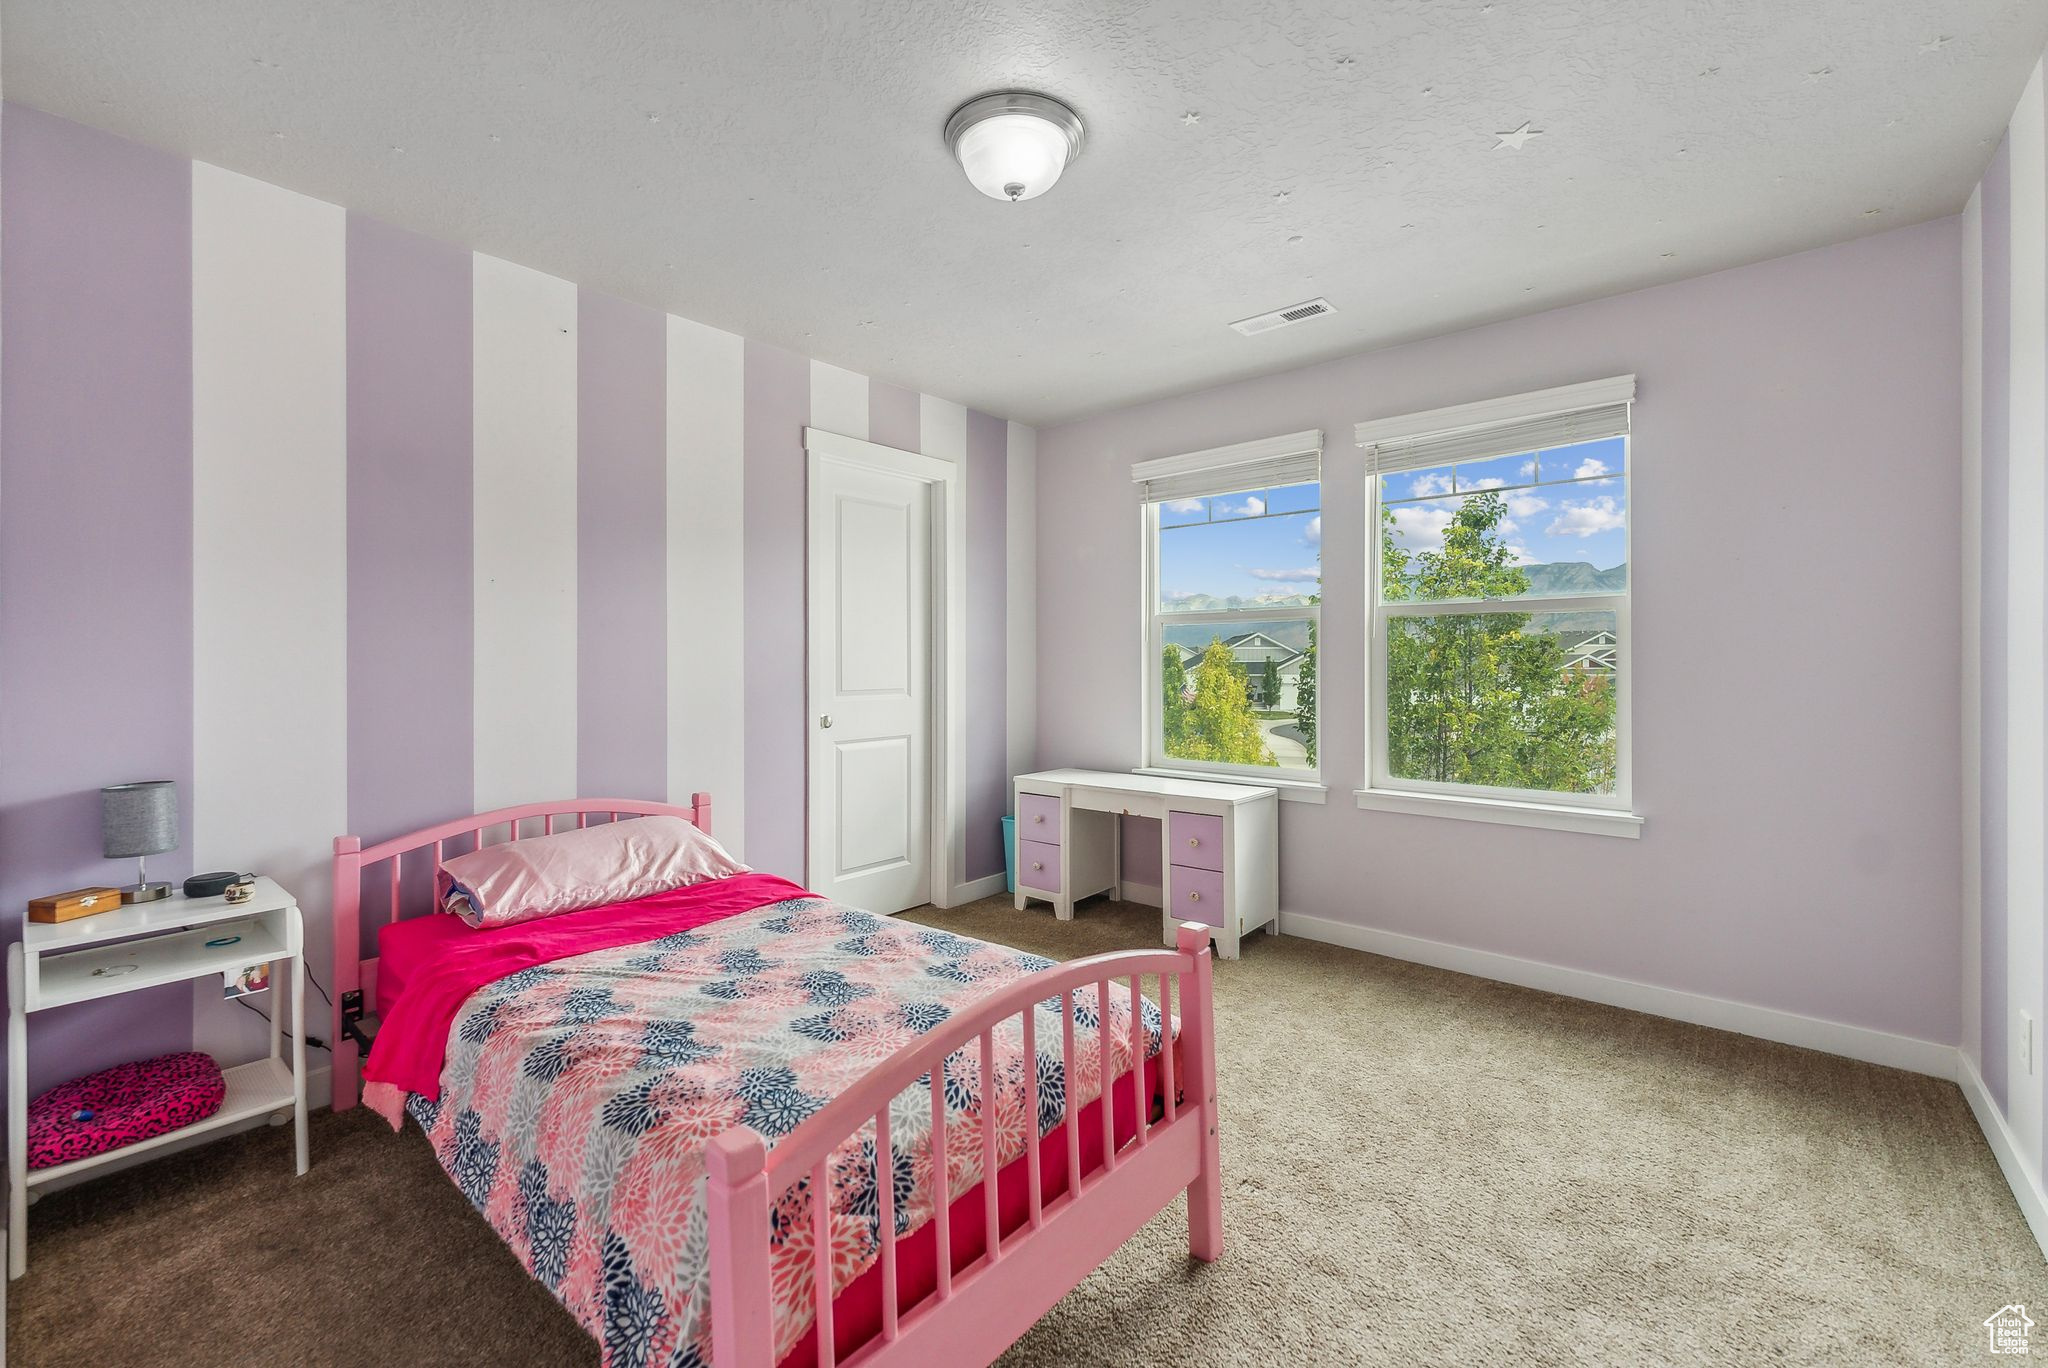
(1420, 1168)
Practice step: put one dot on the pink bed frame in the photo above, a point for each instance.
(978, 1311)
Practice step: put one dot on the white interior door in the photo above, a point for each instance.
(870, 611)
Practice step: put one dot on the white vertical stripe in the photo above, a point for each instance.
(1972, 624)
(269, 558)
(942, 428)
(2026, 801)
(706, 571)
(839, 401)
(525, 534)
(1020, 508)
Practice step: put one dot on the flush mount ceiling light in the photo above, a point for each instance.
(1013, 144)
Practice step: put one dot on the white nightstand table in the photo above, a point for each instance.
(145, 945)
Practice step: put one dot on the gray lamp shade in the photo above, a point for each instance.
(138, 819)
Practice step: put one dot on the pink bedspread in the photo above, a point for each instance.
(576, 1098)
(412, 1042)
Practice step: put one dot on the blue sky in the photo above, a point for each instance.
(1564, 504)
(1256, 544)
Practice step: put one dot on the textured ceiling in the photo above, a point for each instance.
(776, 168)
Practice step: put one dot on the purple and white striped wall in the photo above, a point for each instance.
(348, 530)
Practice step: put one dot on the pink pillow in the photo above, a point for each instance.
(612, 862)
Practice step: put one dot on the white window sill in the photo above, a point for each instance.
(1503, 811)
(1291, 790)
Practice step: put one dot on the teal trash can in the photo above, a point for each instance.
(1010, 854)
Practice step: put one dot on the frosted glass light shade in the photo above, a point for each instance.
(1013, 145)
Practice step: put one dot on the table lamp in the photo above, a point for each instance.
(139, 820)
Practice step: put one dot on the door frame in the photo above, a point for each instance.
(947, 843)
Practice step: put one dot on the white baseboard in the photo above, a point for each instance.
(975, 889)
(1766, 1023)
(1148, 894)
(2005, 1147)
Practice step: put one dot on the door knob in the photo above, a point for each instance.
(824, 719)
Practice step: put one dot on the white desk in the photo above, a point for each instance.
(1219, 847)
(141, 946)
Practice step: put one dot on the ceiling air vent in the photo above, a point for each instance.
(1280, 318)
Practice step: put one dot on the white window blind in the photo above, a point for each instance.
(1268, 463)
(1500, 427)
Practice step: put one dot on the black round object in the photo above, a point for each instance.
(209, 885)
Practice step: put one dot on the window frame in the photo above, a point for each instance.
(1603, 813)
(1309, 782)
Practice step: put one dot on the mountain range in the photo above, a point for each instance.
(1555, 579)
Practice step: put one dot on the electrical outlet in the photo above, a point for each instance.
(2023, 1041)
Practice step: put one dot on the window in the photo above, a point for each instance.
(1499, 597)
(1233, 593)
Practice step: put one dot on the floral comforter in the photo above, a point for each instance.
(577, 1096)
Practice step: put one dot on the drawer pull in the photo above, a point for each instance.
(1037, 864)
(1038, 817)
(1195, 897)
(1194, 841)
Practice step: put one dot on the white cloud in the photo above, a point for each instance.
(1489, 483)
(1520, 554)
(1436, 482)
(1421, 526)
(1285, 576)
(1588, 468)
(1183, 505)
(1587, 519)
(1528, 470)
(1314, 535)
(1526, 505)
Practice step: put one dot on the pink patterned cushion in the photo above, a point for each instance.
(122, 1105)
(611, 862)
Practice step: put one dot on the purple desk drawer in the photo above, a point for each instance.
(1195, 839)
(1038, 865)
(1038, 818)
(1197, 894)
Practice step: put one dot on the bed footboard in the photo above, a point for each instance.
(973, 1314)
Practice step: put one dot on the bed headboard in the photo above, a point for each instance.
(406, 887)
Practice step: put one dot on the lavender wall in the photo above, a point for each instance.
(410, 680)
(988, 796)
(1801, 846)
(621, 549)
(95, 534)
(778, 405)
(1994, 400)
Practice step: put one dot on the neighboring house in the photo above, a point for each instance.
(1252, 650)
(1593, 652)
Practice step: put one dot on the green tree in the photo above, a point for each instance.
(1217, 723)
(1173, 714)
(1478, 698)
(1305, 696)
(1269, 683)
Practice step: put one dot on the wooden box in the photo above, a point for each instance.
(79, 902)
